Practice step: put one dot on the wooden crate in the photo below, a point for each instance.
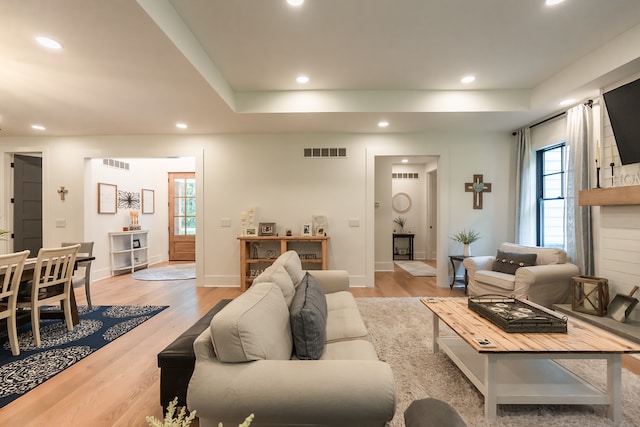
(590, 295)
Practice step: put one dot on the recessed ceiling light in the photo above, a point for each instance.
(468, 79)
(567, 102)
(48, 42)
(38, 127)
(181, 125)
(383, 123)
(405, 160)
(553, 2)
(295, 2)
(302, 79)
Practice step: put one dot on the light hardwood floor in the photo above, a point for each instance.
(119, 384)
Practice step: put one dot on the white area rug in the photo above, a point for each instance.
(416, 268)
(169, 272)
(400, 329)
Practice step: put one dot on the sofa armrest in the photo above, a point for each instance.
(331, 280)
(292, 392)
(478, 263)
(546, 284)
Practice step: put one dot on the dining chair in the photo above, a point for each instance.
(86, 248)
(51, 284)
(11, 266)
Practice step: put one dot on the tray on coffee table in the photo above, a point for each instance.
(517, 316)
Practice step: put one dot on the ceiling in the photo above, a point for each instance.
(220, 66)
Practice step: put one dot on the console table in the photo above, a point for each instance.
(259, 252)
(405, 252)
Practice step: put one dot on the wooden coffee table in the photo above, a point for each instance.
(519, 368)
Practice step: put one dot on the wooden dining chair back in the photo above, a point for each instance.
(51, 284)
(84, 278)
(11, 267)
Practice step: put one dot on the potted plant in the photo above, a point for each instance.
(466, 238)
(182, 419)
(401, 221)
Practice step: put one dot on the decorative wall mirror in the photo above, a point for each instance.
(401, 202)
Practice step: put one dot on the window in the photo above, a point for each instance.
(550, 178)
(184, 206)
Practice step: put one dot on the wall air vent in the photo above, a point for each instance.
(115, 164)
(404, 175)
(325, 153)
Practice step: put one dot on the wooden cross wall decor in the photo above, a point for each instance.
(62, 192)
(477, 187)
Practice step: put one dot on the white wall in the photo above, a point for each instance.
(270, 173)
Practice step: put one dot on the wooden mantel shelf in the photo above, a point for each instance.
(627, 195)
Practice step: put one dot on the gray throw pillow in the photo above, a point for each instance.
(509, 262)
(308, 315)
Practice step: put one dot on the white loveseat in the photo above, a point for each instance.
(546, 283)
(247, 360)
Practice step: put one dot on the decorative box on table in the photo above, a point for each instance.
(590, 295)
(516, 316)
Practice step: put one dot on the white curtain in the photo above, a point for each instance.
(525, 190)
(578, 218)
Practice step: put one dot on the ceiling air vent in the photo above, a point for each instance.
(404, 175)
(325, 153)
(115, 164)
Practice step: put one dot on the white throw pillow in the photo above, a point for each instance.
(254, 326)
(291, 262)
(278, 274)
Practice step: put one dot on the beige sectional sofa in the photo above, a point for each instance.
(546, 282)
(250, 358)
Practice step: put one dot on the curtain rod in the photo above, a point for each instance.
(588, 103)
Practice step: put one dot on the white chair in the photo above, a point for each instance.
(86, 248)
(51, 284)
(11, 267)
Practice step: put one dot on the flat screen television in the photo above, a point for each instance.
(623, 106)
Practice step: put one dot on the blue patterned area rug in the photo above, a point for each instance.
(61, 348)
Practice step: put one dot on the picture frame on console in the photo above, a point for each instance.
(306, 229)
(267, 229)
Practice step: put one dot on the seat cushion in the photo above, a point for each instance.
(278, 274)
(350, 350)
(509, 262)
(309, 319)
(495, 278)
(253, 326)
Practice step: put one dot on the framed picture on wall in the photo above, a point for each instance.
(107, 198)
(148, 201)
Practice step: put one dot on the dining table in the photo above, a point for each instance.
(27, 277)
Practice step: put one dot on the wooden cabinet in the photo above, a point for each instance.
(259, 252)
(129, 251)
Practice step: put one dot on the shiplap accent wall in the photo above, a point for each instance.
(619, 230)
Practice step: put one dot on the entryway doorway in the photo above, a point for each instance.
(182, 216)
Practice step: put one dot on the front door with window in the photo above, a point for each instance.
(182, 216)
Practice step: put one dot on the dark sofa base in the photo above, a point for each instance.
(177, 360)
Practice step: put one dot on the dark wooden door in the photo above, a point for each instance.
(27, 203)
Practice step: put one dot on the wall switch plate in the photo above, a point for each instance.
(225, 222)
(61, 223)
(354, 222)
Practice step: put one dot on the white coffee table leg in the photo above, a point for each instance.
(490, 379)
(435, 333)
(614, 387)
